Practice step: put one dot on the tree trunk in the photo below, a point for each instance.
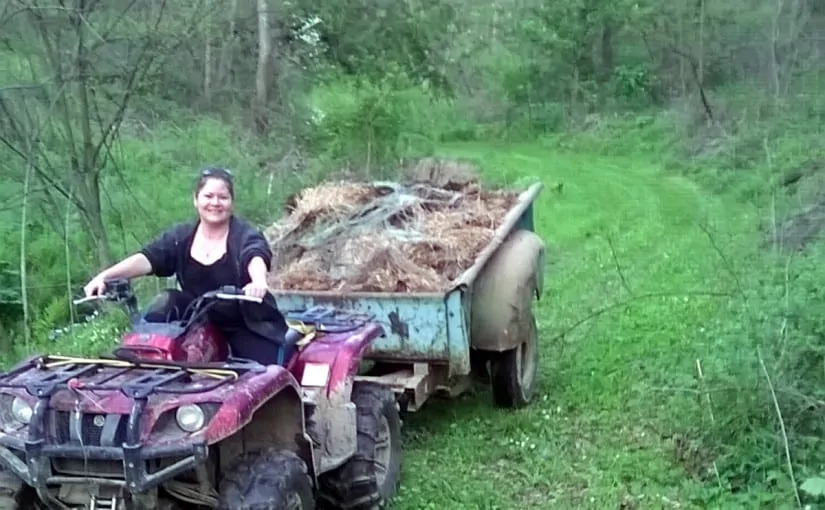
(261, 114)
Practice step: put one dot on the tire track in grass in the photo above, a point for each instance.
(592, 438)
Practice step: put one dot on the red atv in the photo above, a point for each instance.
(172, 421)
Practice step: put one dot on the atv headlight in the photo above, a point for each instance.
(21, 411)
(190, 417)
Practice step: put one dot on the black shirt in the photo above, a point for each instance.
(169, 255)
(198, 278)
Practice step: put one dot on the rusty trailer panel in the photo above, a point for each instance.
(417, 327)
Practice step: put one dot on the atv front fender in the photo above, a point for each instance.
(247, 396)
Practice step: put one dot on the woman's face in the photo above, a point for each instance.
(214, 202)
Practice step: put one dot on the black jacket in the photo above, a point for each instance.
(169, 252)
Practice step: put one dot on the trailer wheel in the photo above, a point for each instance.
(370, 478)
(513, 372)
(267, 480)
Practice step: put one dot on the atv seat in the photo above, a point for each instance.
(297, 336)
(293, 336)
(288, 348)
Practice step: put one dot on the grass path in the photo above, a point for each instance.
(600, 434)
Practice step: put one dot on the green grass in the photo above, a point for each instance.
(605, 425)
(611, 419)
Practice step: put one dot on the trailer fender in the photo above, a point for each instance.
(501, 304)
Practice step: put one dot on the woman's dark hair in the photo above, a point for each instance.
(216, 173)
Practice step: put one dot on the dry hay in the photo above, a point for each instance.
(384, 237)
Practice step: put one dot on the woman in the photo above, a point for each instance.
(215, 250)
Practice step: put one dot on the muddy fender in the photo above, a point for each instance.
(503, 293)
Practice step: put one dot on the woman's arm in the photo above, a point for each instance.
(256, 259)
(158, 257)
(132, 266)
(257, 270)
(256, 256)
(163, 252)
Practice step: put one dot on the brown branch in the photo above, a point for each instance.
(725, 260)
(694, 66)
(627, 302)
(113, 127)
(652, 295)
(616, 263)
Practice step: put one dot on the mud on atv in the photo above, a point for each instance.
(171, 420)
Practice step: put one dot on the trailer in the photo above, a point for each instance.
(483, 325)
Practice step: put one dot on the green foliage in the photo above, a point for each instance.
(814, 486)
(372, 124)
(97, 335)
(11, 301)
(51, 318)
(608, 93)
(761, 351)
(375, 38)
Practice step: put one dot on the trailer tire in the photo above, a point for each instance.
(359, 484)
(513, 372)
(267, 480)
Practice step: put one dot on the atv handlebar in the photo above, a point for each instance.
(115, 292)
(118, 289)
(230, 292)
(90, 298)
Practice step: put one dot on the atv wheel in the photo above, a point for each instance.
(267, 480)
(14, 494)
(513, 372)
(369, 480)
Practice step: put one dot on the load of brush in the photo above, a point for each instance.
(417, 235)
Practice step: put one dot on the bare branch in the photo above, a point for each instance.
(697, 76)
(627, 302)
(90, 90)
(782, 427)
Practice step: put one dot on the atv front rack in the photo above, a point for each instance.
(50, 374)
(44, 376)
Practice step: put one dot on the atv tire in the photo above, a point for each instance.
(14, 494)
(267, 480)
(370, 478)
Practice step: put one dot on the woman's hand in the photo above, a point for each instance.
(95, 287)
(256, 289)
